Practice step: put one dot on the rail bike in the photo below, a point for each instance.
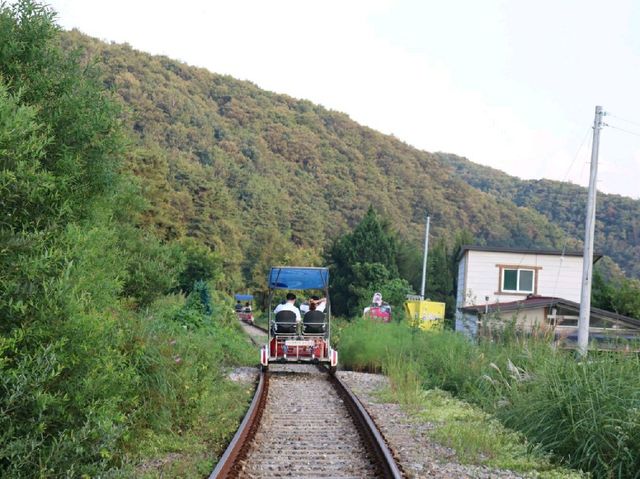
(244, 312)
(297, 338)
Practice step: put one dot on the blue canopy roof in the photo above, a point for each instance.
(293, 277)
(244, 297)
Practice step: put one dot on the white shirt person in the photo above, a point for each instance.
(289, 306)
(321, 304)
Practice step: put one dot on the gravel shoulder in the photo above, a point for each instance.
(259, 337)
(407, 436)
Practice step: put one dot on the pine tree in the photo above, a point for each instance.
(359, 259)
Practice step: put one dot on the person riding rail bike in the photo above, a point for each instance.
(378, 309)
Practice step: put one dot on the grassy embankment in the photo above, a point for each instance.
(585, 415)
(192, 409)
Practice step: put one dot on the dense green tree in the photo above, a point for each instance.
(69, 379)
(365, 258)
(200, 264)
(440, 277)
(617, 293)
(409, 260)
(626, 298)
(601, 291)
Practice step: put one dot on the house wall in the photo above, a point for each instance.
(467, 324)
(532, 318)
(557, 276)
(526, 320)
(460, 322)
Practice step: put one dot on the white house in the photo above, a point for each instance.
(537, 289)
(490, 276)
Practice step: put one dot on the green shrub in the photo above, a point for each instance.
(200, 264)
(182, 377)
(152, 266)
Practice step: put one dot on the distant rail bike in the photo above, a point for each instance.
(297, 338)
(244, 312)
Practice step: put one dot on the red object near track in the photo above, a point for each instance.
(379, 313)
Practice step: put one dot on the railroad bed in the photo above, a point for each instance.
(306, 430)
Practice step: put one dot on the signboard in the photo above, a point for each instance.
(428, 314)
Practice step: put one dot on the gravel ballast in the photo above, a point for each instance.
(407, 436)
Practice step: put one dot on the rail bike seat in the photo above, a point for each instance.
(313, 323)
(285, 322)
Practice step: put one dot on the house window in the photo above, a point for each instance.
(517, 280)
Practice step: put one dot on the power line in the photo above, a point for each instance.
(585, 163)
(562, 186)
(626, 131)
(586, 134)
(622, 119)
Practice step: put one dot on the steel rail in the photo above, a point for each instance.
(368, 430)
(227, 466)
(247, 429)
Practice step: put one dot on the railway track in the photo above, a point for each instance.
(305, 423)
(257, 334)
(253, 328)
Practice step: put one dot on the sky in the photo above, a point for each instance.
(508, 84)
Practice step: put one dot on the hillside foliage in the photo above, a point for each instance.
(263, 178)
(134, 188)
(564, 204)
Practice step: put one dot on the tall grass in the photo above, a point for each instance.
(406, 385)
(587, 414)
(187, 407)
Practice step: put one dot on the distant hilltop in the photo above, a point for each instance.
(259, 176)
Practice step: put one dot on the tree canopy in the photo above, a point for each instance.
(238, 168)
(365, 261)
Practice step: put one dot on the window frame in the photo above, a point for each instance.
(518, 268)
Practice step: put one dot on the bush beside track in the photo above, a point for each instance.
(112, 349)
(581, 414)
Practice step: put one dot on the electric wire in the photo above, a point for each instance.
(585, 162)
(575, 157)
(566, 236)
(622, 129)
(622, 119)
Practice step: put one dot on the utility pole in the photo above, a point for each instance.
(590, 223)
(424, 262)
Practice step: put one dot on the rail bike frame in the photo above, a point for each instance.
(298, 346)
(242, 315)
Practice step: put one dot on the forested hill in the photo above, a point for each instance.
(264, 178)
(617, 217)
